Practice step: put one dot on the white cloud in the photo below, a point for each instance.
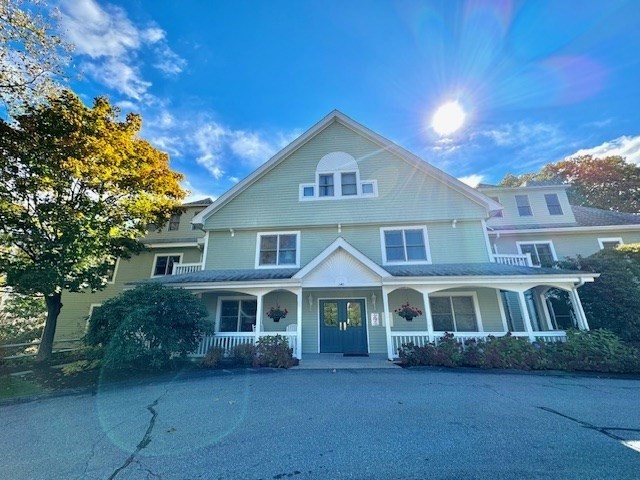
(472, 180)
(251, 146)
(210, 140)
(514, 134)
(112, 48)
(195, 193)
(626, 146)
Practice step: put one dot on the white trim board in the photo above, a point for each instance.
(601, 241)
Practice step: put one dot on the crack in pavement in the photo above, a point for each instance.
(146, 439)
(92, 451)
(604, 430)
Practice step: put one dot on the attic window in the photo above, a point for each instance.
(337, 177)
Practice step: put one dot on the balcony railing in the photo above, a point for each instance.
(512, 259)
(179, 268)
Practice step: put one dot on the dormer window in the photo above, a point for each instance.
(338, 177)
(553, 203)
(524, 207)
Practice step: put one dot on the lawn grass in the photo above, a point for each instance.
(12, 387)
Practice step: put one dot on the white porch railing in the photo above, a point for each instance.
(420, 339)
(179, 268)
(228, 340)
(512, 259)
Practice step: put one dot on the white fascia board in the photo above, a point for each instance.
(478, 281)
(209, 286)
(473, 194)
(601, 228)
(350, 249)
(172, 245)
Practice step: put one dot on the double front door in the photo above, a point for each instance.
(343, 326)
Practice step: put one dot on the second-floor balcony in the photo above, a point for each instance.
(179, 268)
(523, 260)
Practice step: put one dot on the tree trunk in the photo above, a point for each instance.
(54, 305)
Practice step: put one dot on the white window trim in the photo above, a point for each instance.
(219, 311)
(337, 187)
(537, 242)
(408, 262)
(290, 232)
(474, 299)
(92, 307)
(609, 239)
(155, 259)
(115, 272)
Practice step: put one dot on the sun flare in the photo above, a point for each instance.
(448, 118)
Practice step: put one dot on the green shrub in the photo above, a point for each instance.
(212, 358)
(595, 351)
(148, 327)
(81, 366)
(243, 354)
(511, 352)
(273, 351)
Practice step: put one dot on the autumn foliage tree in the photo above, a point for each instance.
(608, 183)
(77, 190)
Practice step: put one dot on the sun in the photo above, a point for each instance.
(448, 118)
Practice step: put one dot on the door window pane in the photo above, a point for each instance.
(330, 314)
(354, 314)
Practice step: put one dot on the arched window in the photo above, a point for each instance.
(338, 177)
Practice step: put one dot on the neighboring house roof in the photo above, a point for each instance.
(337, 116)
(204, 202)
(591, 217)
(585, 217)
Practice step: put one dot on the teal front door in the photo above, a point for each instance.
(343, 326)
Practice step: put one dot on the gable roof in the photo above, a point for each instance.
(337, 116)
(203, 202)
(595, 217)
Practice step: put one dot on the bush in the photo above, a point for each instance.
(273, 351)
(148, 327)
(595, 351)
(212, 358)
(80, 366)
(243, 354)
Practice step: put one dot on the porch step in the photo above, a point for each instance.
(337, 361)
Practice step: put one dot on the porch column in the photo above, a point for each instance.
(259, 310)
(427, 314)
(579, 311)
(299, 327)
(526, 319)
(387, 322)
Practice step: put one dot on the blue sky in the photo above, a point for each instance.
(224, 85)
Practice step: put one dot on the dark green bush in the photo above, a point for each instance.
(148, 327)
(596, 351)
(243, 354)
(212, 358)
(273, 351)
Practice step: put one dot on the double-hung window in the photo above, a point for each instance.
(325, 185)
(524, 208)
(553, 203)
(542, 253)
(455, 313)
(349, 184)
(278, 249)
(405, 245)
(237, 315)
(163, 264)
(174, 222)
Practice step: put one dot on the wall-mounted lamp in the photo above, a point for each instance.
(310, 298)
(453, 223)
(373, 300)
(233, 234)
(339, 228)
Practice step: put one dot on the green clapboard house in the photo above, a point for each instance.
(366, 246)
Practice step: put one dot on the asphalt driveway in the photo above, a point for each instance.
(365, 424)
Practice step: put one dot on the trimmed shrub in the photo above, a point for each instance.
(243, 354)
(212, 358)
(273, 351)
(148, 327)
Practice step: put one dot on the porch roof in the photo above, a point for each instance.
(472, 270)
(397, 271)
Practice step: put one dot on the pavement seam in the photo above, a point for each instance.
(604, 430)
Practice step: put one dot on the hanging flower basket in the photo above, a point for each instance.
(276, 313)
(408, 312)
